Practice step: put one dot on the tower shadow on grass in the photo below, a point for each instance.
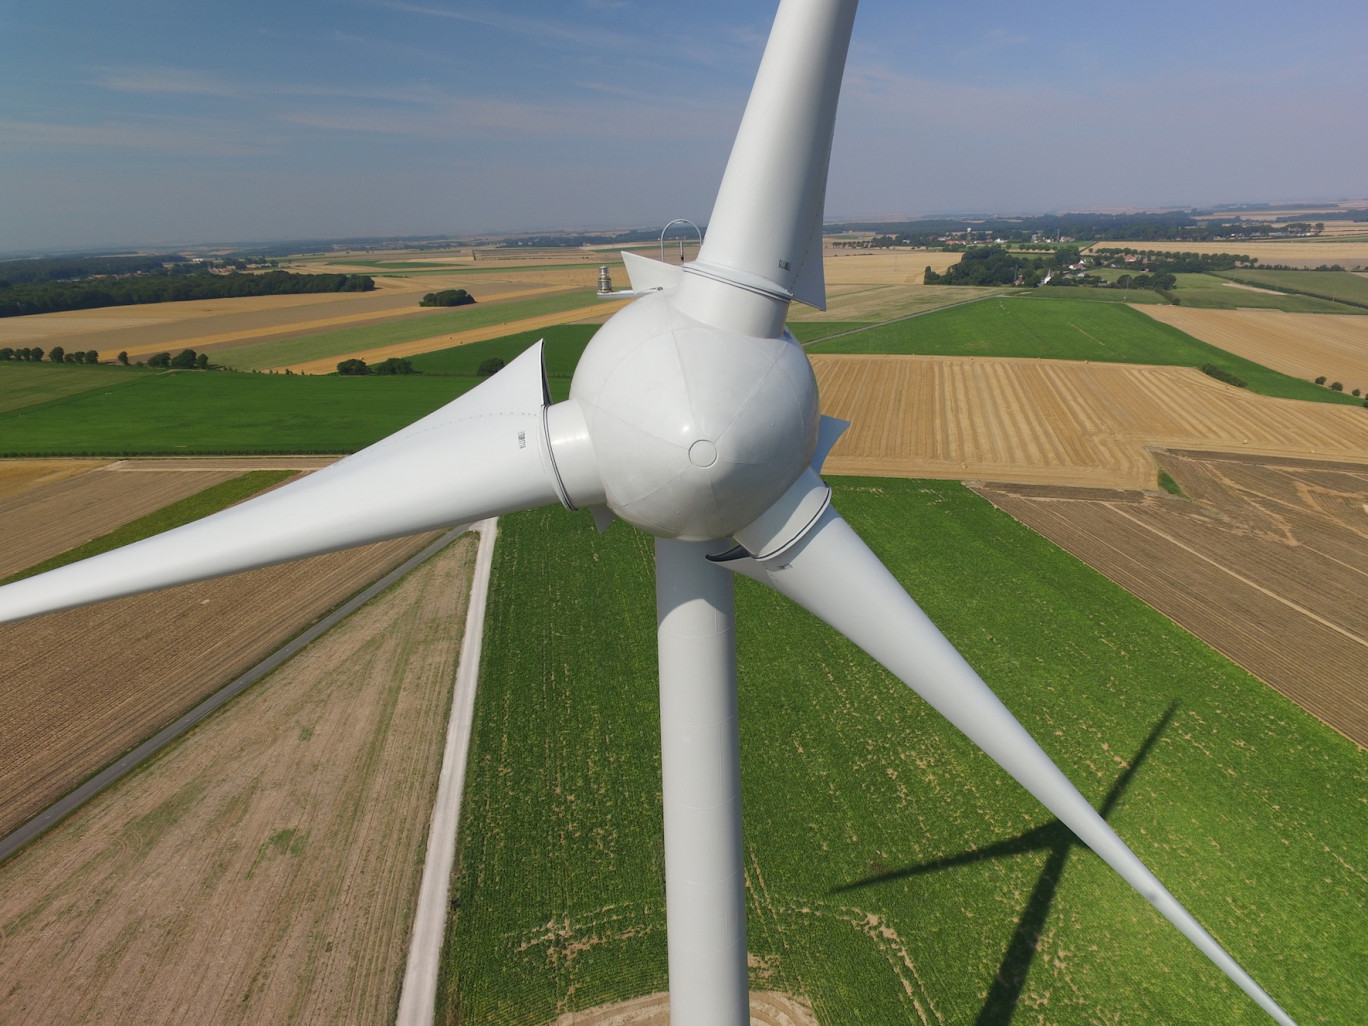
(1054, 837)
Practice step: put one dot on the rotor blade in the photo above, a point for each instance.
(483, 454)
(833, 574)
(766, 225)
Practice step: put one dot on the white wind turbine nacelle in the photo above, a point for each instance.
(694, 416)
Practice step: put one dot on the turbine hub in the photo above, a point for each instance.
(696, 430)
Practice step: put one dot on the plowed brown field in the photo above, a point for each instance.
(79, 688)
(266, 869)
(1267, 562)
(1300, 344)
(1056, 421)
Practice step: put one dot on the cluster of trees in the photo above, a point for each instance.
(394, 365)
(1224, 375)
(186, 359)
(39, 269)
(447, 297)
(51, 296)
(995, 265)
(1173, 263)
(58, 355)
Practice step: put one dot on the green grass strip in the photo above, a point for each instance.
(201, 504)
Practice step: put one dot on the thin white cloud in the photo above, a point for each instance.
(161, 79)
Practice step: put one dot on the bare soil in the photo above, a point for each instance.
(50, 506)
(1057, 422)
(266, 868)
(18, 476)
(78, 688)
(1266, 560)
(768, 1008)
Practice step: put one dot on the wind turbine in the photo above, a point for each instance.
(693, 415)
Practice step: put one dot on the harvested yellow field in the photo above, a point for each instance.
(110, 329)
(1300, 344)
(327, 365)
(20, 475)
(883, 266)
(265, 868)
(1060, 422)
(1350, 253)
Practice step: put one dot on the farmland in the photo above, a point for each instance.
(1306, 346)
(298, 815)
(1349, 252)
(193, 412)
(1061, 330)
(888, 862)
(1057, 421)
(153, 656)
(1261, 551)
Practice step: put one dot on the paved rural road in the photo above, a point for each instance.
(63, 807)
(418, 998)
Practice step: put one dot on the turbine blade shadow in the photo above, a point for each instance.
(1008, 982)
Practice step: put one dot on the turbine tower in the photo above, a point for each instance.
(693, 415)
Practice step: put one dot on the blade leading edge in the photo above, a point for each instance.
(484, 454)
(833, 574)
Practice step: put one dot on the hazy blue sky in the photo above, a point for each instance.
(152, 121)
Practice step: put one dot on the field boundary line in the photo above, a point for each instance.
(111, 774)
(899, 320)
(418, 993)
(1297, 607)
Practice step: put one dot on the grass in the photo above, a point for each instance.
(1168, 484)
(26, 384)
(1214, 292)
(1064, 329)
(265, 355)
(201, 504)
(186, 413)
(1336, 286)
(891, 867)
(564, 345)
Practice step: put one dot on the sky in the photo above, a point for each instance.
(164, 123)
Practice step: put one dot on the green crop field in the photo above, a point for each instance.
(564, 345)
(1063, 329)
(1330, 285)
(1216, 292)
(894, 873)
(26, 384)
(197, 412)
(264, 355)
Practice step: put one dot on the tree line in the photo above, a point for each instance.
(52, 296)
(34, 354)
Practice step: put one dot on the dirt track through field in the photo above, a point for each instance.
(1267, 562)
(1299, 344)
(266, 869)
(81, 687)
(1057, 422)
(767, 1008)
